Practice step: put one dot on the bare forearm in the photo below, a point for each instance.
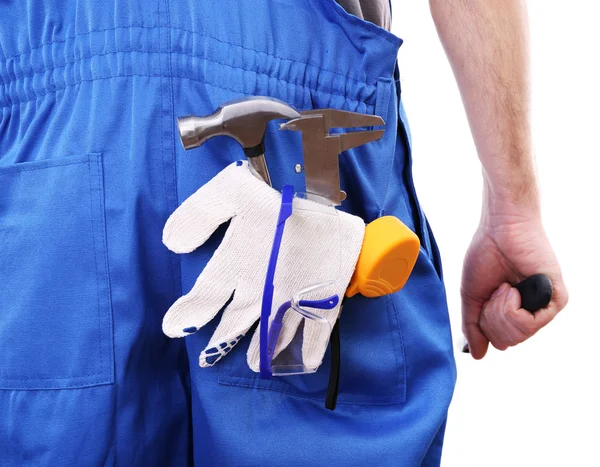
(486, 42)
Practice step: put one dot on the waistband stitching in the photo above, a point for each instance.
(79, 59)
(2, 62)
(56, 90)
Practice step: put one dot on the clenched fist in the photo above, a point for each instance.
(505, 250)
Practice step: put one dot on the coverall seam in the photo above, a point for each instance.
(169, 121)
(103, 227)
(94, 244)
(435, 436)
(133, 26)
(381, 206)
(412, 200)
(210, 60)
(2, 62)
(129, 75)
(406, 156)
(42, 71)
(50, 378)
(401, 368)
(379, 401)
(16, 168)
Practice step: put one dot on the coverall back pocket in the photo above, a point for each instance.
(55, 312)
(372, 360)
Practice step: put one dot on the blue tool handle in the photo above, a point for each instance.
(536, 292)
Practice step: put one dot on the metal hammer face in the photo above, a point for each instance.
(245, 120)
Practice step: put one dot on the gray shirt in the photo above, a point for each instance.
(375, 11)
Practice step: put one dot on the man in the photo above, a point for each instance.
(487, 46)
(90, 170)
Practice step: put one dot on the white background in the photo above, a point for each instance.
(536, 404)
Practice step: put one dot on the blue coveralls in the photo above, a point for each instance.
(90, 169)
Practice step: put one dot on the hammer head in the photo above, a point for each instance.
(245, 120)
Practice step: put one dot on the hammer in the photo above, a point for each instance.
(245, 120)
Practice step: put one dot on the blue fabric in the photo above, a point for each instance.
(90, 169)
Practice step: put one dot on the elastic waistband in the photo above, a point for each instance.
(165, 51)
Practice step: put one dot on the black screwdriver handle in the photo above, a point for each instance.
(536, 293)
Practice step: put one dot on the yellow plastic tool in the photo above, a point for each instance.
(388, 255)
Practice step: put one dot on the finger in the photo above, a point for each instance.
(529, 323)
(560, 297)
(238, 317)
(190, 312)
(506, 324)
(316, 339)
(477, 341)
(194, 222)
(503, 321)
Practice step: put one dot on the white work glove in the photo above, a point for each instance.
(239, 264)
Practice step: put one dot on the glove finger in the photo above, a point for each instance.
(193, 310)
(289, 327)
(197, 218)
(316, 339)
(238, 317)
(191, 225)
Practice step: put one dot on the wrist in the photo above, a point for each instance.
(514, 201)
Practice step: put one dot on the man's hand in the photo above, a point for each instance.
(487, 44)
(505, 250)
